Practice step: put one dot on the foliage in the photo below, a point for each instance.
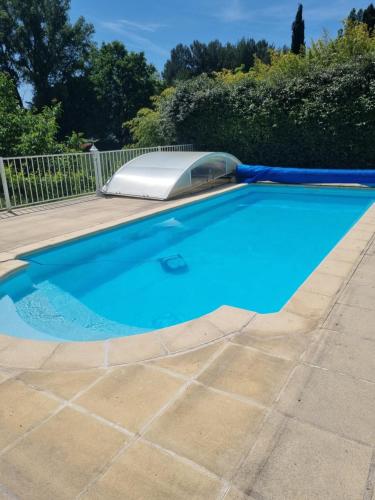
(98, 88)
(145, 128)
(354, 41)
(60, 180)
(9, 115)
(284, 65)
(149, 127)
(123, 82)
(75, 142)
(312, 110)
(189, 61)
(23, 131)
(38, 132)
(78, 106)
(40, 46)
(366, 16)
(298, 32)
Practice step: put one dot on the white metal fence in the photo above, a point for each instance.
(29, 180)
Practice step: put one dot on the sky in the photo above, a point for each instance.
(155, 27)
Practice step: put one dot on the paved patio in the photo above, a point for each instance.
(278, 406)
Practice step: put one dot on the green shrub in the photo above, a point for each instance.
(29, 182)
(312, 110)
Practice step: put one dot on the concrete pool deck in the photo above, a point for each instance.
(234, 405)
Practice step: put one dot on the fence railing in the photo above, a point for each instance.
(29, 180)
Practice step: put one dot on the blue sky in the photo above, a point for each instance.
(155, 27)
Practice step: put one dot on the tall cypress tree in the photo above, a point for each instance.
(298, 31)
(369, 17)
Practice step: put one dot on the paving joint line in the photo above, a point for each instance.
(144, 429)
(290, 416)
(370, 483)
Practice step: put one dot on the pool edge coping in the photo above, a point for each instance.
(304, 312)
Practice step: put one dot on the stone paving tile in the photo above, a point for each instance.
(4, 256)
(130, 396)
(333, 401)
(350, 243)
(58, 459)
(21, 408)
(336, 267)
(5, 340)
(345, 255)
(5, 494)
(21, 353)
(76, 355)
(190, 334)
(371, 249)
(144, 472)
(10, 266)
(360, 295)
(248, 373)
(64, 384)
(308, 304)
(346, 354)
(7, 374)
(235, 494)
(321, 283)
(134, 348)
(352, 320)
(209, 428)
(295, 461)
(365, 272)
(230, 319)
(188, 364)
(281, 323)
(284, 345)
(363, 234)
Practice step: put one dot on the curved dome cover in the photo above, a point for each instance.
(163, 175)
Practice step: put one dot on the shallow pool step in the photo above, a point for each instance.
(59, 314)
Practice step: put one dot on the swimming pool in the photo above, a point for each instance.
(249, 248)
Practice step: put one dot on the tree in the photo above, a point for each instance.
(356, 15)
(366, 16)
(298, 32)
(9, 115)
(369, 17)
(189, 61)
(78, 105)
(39, 45)
(23, 131)
(123, 82)
(179, 65)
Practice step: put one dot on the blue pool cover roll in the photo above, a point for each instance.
(287, 175)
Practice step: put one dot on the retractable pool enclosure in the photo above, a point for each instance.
(163, 175)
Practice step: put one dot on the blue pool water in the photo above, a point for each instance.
(250, 248)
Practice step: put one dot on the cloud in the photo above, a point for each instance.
(239, 10)
(232, 12)
(130, 31)
(235, 10)
(152, 27)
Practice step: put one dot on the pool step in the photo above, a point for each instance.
(59, 314)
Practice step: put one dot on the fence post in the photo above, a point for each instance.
(97, 167)
(4, 183)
